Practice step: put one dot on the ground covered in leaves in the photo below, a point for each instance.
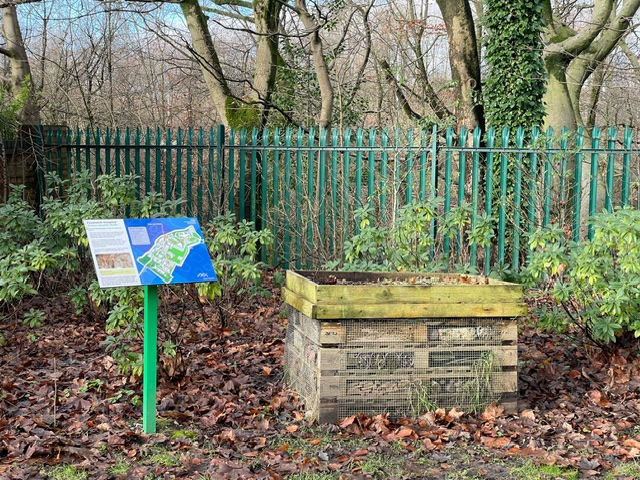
(224, 413)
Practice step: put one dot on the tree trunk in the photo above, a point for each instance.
(581, 68)
(571, 56)
(557, 101)
(464, 61)
(20, 68)
(266, 13)
(206, 55)
(319, 64)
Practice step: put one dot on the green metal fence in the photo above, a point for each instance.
(306, 185)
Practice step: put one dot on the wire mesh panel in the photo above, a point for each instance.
(407, 366)
(403, 367)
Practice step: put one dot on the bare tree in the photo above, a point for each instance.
(572, 55)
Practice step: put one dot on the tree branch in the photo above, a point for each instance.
(391, 79)
(234, 3)
(225, 13)
(573, 43)
(13, 3)
(632, 57)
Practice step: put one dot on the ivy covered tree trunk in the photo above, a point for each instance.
(515, 85)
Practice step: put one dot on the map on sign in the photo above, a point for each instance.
(149, 251)
(170, 251)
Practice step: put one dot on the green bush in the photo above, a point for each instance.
(48, 255)
(596, 283)
(234, 247)
(407, 244)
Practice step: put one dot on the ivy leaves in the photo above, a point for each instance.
(515, 84)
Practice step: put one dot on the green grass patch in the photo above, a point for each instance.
(65, 472)
(161, 457)
(312, 476)
(628, 470)
(120, 468)
(531, 471)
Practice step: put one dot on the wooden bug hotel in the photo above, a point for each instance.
(400, 343)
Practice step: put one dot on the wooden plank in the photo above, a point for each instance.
(510, 332)
(382, 290)
(385, 331)
(299, 303)
(507, 355)
(329, 359)
(319, 332)
(396, 361)
(416, 294)
(328, 413)
(329, 386)
(356, 311)
(301, 286)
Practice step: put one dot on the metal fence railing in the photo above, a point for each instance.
(306, 185)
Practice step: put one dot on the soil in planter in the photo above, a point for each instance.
(327, 278)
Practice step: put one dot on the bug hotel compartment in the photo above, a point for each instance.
(400, 343)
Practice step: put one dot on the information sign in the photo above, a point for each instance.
(144, 251)
(149, 252)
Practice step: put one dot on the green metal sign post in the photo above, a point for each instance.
(150, 355)
(149, 252)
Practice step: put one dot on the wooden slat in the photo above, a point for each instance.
(331, 277)
(379, 292)
(301, 286)
(319, 332)
(417, 294)
(301, 304)
(355, 311)
(510, 332)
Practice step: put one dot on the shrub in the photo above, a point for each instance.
(407, 244)
(48, 255)
(234, 247)
(596, 283)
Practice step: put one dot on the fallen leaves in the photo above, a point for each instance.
(231, 397)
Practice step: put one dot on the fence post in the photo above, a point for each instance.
(168, 177)
(626, 159)
(41, 169)
(475, 178)
(462, 180)
(593, 181)
(577, 194)
(220, 169)
(447, 185)
(546, 188)
(502, 207)
(515, 263)
(611, 146)
(434, 183)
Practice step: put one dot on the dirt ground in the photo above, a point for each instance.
(224, 412)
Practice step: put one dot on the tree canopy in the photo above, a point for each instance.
(339, 62)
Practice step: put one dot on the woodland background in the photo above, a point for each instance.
(340, 62)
